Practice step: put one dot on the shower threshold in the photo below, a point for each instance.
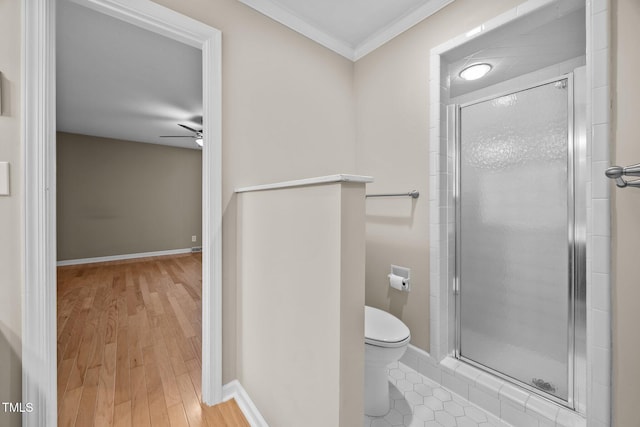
(507, 401)
(539, 386)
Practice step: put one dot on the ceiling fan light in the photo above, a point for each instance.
(475, 71)
(199, 142)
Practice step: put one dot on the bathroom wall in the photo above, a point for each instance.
(122, 197)
(301, 303)
(392, 97)
(392, 107)
(287, 113)
(625, 18)
(11, 224)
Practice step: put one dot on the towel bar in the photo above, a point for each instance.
(414, 194)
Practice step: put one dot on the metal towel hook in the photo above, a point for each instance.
(617, 173)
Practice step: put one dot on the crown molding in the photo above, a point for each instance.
(398, 27)
(290, 19)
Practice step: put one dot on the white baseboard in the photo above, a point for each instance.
(122, 257)
(235, 390)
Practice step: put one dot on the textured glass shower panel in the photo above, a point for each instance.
(514, 256)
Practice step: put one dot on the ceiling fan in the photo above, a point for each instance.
(197, 134)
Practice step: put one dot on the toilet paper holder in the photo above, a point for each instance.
(400, 278)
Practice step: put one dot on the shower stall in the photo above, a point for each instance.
(518, 281)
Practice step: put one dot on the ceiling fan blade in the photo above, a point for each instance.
(176, 136)
(188, 128)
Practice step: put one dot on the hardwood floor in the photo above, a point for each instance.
(129, 345)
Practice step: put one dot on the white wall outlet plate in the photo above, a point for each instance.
(194, 238)
(4, 179)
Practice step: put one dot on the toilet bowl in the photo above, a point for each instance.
(386, 339)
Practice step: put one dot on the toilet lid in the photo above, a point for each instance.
(384, 329)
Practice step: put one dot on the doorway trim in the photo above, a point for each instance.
(39, 364)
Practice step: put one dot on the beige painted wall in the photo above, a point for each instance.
(121, 197)
(288, 113)
(626, 214)
(352, 284)
(11, 224)
(301, 303)
(392, 107)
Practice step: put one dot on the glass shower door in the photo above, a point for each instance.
(514, 236)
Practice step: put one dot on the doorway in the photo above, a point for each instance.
(39, 103)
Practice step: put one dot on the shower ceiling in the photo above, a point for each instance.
(544, 38)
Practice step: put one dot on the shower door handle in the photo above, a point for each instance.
(617, 172)
(633, 170)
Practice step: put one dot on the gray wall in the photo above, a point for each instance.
(121, 197)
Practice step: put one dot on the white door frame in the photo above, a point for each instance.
(39, 365)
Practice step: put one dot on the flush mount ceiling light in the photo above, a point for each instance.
(475, 71)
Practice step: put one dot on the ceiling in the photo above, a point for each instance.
(352, 28)
(116, 80)
(521, 46)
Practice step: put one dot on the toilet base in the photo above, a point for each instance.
(376, 390)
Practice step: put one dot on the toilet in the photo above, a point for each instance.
(386, 339)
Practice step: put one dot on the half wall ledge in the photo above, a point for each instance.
(308, 181)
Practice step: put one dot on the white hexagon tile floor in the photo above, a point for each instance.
(417, 401)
